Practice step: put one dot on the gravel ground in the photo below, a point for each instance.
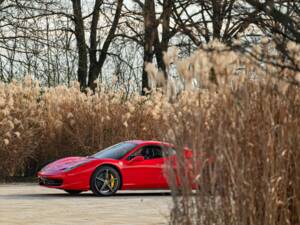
(30, 204)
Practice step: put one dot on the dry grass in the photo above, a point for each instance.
(36, 128)
(253, 133)
(250, 125)
(252, 130)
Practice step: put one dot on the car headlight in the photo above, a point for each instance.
(73, 167)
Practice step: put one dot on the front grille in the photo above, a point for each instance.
(50, 182)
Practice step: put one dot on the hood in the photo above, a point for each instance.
(65, 163)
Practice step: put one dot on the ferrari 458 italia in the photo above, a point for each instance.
(129, 165)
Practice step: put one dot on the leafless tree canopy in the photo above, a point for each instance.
(59, 41)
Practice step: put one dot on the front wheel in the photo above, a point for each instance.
(105, 181)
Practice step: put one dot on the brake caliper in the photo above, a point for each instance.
(112, 181)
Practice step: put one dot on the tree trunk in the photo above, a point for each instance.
(149, 38)
(94, 69)
(217, 19)
(162, 46)
(96, 65)
(81, 44)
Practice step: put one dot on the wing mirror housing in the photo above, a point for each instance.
(137, 159)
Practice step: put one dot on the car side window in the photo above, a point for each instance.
(169, 151)
(148, 152)
(136, 153)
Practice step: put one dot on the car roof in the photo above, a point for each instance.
(149, 142)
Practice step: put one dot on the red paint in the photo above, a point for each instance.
(136, 173)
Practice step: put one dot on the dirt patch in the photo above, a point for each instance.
(31, 204)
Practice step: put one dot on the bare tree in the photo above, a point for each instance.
(34, 33)
(31, 40)
(154, 42)
(223, 20)
(51, 39)
(201, 21)
(280, 21)
(88, 74)
(283, 13)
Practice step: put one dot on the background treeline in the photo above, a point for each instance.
(58, 41)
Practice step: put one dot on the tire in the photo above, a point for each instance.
(105, 181)
(73, 192)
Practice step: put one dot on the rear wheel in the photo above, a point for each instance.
(105, 181)
(73, 192)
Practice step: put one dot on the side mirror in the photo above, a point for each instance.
(137, 159)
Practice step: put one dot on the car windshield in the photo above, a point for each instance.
(117, 151)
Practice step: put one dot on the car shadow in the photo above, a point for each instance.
(121, 195)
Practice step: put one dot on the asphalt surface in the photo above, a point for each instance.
(31, 204)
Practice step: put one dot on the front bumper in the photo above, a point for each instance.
(62, 180)
(54, 182)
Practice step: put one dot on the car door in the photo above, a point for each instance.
(145, 174)
(168, 166)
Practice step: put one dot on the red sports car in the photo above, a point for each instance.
(128, 165)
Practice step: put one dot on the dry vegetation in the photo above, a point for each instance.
(251, 125)
(254, 135)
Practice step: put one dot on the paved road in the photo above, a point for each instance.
(22, 204)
